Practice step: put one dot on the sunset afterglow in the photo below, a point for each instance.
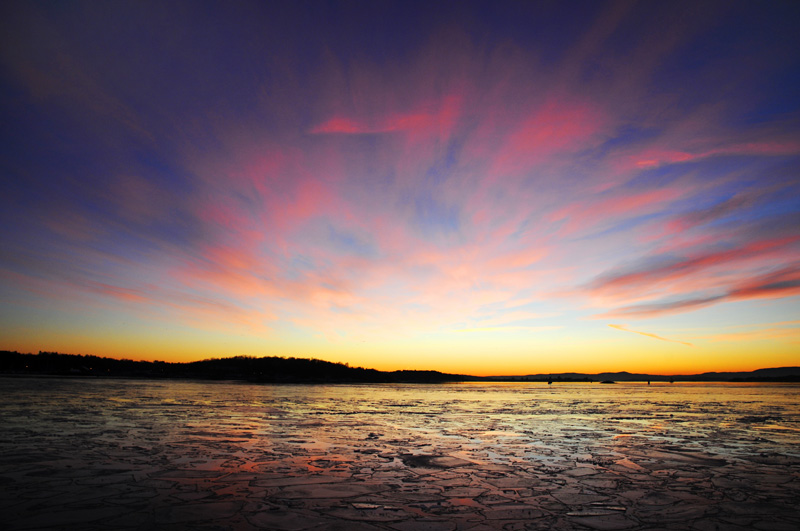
(479, 188)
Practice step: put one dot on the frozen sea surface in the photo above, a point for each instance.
(135, 454)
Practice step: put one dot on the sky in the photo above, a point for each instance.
(475, 187)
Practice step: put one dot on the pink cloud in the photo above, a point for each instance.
(341, 125)
(675, 231)
(655, 158)
(118, 292)
(598, 213)
(694, 141)
(659, 158)
(645, 277)
(780, 284)
(518, 259)
(310, 198)
(554, 129)
(441, 119)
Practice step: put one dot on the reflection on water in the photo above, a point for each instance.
(296, 456)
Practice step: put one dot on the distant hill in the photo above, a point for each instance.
(786, 374)
(302, 370)
(266, 369)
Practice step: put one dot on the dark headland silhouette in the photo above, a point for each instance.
(303, 370)
(266, 369)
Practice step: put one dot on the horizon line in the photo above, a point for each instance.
(529, 374)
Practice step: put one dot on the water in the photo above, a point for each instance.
(138, 453)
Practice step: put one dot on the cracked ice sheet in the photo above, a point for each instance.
(135, 454)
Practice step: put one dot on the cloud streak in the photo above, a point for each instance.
(624, 328)
(780, 284)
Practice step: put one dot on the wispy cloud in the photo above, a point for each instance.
(784, 330)
(780, 284)
(647, 334)
(509, 329)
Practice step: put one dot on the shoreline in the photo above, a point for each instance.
(478, 380)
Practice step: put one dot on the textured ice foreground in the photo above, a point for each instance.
(133, 454)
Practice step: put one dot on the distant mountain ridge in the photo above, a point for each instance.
(624, 376)
(304, 370)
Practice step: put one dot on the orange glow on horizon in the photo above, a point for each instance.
(472, 357)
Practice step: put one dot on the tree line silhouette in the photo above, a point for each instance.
(267, 369)
(308, 370)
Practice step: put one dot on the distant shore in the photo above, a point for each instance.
(304, 370)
